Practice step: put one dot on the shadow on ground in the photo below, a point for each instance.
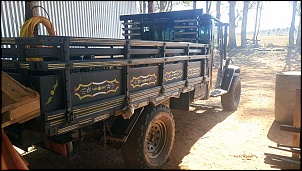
(198, 121)
(277, 135)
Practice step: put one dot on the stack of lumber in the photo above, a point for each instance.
(19, 103)
(293, 162)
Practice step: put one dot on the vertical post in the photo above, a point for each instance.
(186, 66)
(297, 122)
(66, 77)
(28, 13)
(162, 69)
(126, 26)
(151, 7)
(31, 12)
(194, 4)
(35, 13)
(126, 78)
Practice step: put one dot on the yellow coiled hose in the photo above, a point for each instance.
(27, 30)
(28, 27)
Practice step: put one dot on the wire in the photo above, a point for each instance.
(42, 8)
(28, 27)
(27, 30)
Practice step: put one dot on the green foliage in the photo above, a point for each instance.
(187, 3)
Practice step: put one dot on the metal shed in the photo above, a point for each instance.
(70, 18)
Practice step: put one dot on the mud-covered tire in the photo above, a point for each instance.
(151, 140)
(230, 100)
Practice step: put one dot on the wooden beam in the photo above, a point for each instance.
(297, 122)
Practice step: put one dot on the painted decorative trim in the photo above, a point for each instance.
(193, 71)
(173, 75)
(143, 80)
(96, 88)
(52, 92)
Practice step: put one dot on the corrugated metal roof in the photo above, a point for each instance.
(70, 18)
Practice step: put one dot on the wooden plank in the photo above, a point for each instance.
(293, 150)
(15, 104)
(6, 101)
(15, 94)
(19, 103)
(290, 128)
(297, 122)
(22, 109)
(11, 88)
(24, 118)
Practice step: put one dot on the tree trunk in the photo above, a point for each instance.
(169, 6)
(232, 37)
(244, 23)
(151, 6)
(162, 6)
(291, 37)
(218, 4)
(140, 7)
(144, 7)
(208, 6)
(298, 40)
(259, 18)
(256, 23)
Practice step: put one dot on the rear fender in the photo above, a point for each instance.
(228, 76)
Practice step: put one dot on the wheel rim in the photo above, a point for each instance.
(156, 139)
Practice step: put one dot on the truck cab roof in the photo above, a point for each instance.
(186, 25)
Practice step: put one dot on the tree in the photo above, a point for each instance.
(232, 19)
(259, 18)
(298, 40)
(142, 7)
(208, 6)
(257, 21)
(218, 4)
(244, 22)
(194, 4)
(151, 7)
(165, 6)
(291, 37)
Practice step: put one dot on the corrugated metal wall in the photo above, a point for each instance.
(70, 18)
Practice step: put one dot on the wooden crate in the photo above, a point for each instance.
(19, 103)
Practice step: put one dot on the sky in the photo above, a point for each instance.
(275, 14)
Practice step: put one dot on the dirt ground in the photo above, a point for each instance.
(207, 137)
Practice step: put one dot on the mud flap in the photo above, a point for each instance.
(227, 79)
(181, 103)
(230, 72)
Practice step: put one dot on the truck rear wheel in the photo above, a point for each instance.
(151, 140)
(230, 100)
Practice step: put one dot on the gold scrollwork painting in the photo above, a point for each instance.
(143, 80)
(96, 88)
(193, 71)
(52, 92)
(173, 75)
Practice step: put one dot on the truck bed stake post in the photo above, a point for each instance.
(162, 69)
